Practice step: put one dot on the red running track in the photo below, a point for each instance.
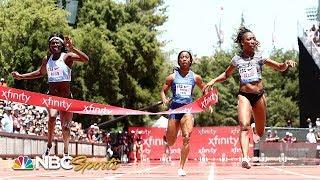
(157, 170)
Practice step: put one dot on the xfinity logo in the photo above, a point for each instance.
(13, 96)
(53, 102)
(101, 111)
(216, 140)
(208, 100)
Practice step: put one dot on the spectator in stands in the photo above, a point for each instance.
(138, 147)
(107, 141)
(318, 124)
(292, 138)
(272, 136)
(57, 65)
(310, 33)
(286, 138)
(251, 99)
(125, 147)
(311, 137)
(318, 136)
(7, 121)
(309, 123)
(316, 37)
(3, 83)
(16, 119)
(90, 133)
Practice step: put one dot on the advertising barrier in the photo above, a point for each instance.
(212, 143)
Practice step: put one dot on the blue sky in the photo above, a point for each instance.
(191, 23)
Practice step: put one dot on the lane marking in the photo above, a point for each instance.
(293, 173)
(30, 175)
(132, 172)
(211, 172)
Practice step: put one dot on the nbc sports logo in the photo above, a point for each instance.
(22, 163)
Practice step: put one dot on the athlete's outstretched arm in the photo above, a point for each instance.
(32, 75)
(222, 77)
(280, 66)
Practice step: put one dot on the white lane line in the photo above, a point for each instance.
(293, 173)
(211, 172)
(30, 175)
(132, 172)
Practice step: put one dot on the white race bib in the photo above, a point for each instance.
(55, 72)
(248, 73)
(183, 89)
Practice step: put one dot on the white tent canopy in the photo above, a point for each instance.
(162, 122)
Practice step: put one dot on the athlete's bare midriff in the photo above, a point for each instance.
(61, 89)
(253, 87)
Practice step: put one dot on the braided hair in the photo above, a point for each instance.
(242, 30)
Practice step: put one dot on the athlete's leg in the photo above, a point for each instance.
(187, 122)
(66, 118)
(244, 115)
(259, 113)
(172, 131)
(51, 125)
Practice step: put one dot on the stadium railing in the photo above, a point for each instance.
(13, 145)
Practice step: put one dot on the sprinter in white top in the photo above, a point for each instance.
(58, 66)
(251, 99)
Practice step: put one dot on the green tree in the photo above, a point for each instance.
(134, 71)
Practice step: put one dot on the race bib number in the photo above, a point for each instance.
(55, 72)
(248, 73)
(183, 89)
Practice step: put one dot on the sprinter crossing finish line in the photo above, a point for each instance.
(84, 107)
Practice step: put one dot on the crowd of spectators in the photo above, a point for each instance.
(32, 120)
(272, 136)
(313, 135)
(313, 34)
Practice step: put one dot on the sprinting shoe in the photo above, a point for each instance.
(181, 172)
(245, 163)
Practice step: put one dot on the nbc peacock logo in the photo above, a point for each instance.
(22, 163)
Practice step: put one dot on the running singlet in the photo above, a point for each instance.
(250, 69)
(57, 70)
(182, 88)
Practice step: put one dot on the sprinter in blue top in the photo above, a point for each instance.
(181, 82)
(57, 65)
